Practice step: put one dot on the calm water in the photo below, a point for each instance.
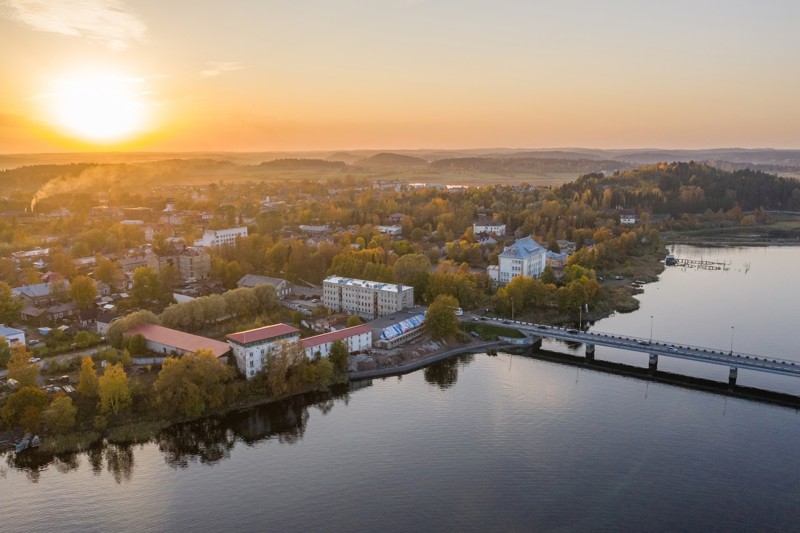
(478, 443)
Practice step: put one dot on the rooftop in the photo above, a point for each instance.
(5, 331)
(377, 285)
(262, 334)
(251, 280)
(523, 248)
(179, 339)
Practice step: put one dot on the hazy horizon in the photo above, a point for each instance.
(394, 75)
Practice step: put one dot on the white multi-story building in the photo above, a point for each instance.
(355, 339)
(489, 226)
(390, 230)
(523, 258)
(221, 237)
(367, 299)
(252, 348)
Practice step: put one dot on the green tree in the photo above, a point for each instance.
(83, 290)
(113, 390)
(24, 408)
(440, 320)
(10, 305)
(413, 270)
(63, 264)
(146, 285)
(353, 320)
(324, 372)
(119, 327)
(87, 380)
(339, 355)
(137, 345)
(107, 271)
(192, 385)
(60, 416)
(19, 368)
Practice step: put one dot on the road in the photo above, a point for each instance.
(61, 357)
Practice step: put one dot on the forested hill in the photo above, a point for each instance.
(524, 164)
(676, 188)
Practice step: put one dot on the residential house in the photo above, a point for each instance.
(355, 339)
(282, 287)
(14, 337)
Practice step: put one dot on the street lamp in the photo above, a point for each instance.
(651, 329)
(580, 317)
(512, 308)
(731, 340)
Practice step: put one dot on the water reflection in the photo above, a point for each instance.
(207, 441)
(444, 374)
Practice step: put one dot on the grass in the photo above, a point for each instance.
(492, 331)
(135, 432)
(71, 442)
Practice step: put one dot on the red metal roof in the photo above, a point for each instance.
(261, 334)
(179, 339)
(334, 336)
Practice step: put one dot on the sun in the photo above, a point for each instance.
(100, 108)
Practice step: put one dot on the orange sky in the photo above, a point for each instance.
(346, 74)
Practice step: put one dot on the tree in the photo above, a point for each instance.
(146, 285)
(440, 320)
(10, 305)
(170, 277)
(353, 320)
(24, 408)
(113, 390)
(87, 382)
(192, 385)
(60, 416)
(414, 270)
(339, 355)
(83, 290)
(107, 271)
(5, 352)
(63, 264)
(19, 368)
(137, 345)
(119, 327)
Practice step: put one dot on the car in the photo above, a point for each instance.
(506, 322)
(542, 326)
(600, 278)
(35, 360)
(617, 277)
(474, 334)
(643, 342)
(573, 331)
(672, 349)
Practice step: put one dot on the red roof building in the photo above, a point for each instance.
(166, 341)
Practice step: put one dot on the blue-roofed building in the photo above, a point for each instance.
(525, 257)
(14, 337)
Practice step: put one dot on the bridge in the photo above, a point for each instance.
(654, 348)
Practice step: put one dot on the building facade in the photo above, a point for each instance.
(252, 348)
(14, 337)
(367, 299)
(282, 287)
(215, 238)
(356, 339)
(194, 264)
(523, 258)
(489, 227)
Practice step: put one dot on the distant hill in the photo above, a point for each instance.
(345, 157)
(538, 165)
(302, 164)
(391, 160)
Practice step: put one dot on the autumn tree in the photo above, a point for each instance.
(413, 270)
(440, 320)
(113, 390)
(119, 327)
(192, 385)
(87, 381)
(10, 305)
(353, 320)
(19, 368)
(5, 352)
(60, 416)
(146, 285)
(83, 290)
(107, 271)
(24, 408)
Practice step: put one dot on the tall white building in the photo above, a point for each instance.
(221, 237)
(523, 258)
(489, 226)
(253, 347)
(367, 299)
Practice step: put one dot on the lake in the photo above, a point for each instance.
(477, 442)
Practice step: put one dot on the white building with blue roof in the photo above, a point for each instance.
(14, 337)
(525, 257)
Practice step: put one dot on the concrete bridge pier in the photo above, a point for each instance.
(653, 364)
(732, 376)
(590, 352)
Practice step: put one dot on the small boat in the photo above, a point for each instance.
(28, 441)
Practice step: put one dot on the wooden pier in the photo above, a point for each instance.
(700, 263)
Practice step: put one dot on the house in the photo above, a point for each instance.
(39, 294)
(171, 341)
(367, 299)
(129, 264)
(282, 287)
(14, 337)
(314, 230)
(215, 238)
(489, 226)
(355, 339)
(390, 230)
(252, 348)
(525, 257)
(556, 261)
(565, 246)
(194, 264)
(105, 319)
(396, 218)
(628, 217)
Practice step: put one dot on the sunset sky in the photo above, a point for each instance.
(392, 74)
